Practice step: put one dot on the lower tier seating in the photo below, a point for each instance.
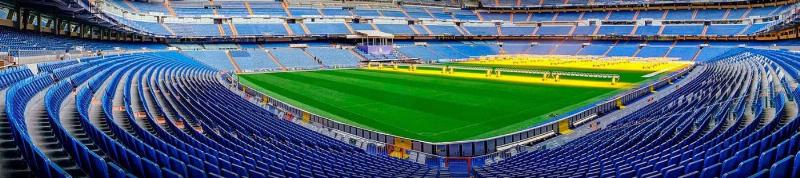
(733, 120)
(161, 115)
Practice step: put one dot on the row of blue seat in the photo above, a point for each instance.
(166, 115)
(690, 133)
(339, 29)
(450, 51)
(22, 43)
(238, 9)
(549, 3)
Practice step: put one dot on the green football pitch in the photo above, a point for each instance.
(423, 107)
(625, 76)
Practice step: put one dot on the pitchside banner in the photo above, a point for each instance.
(376, 49)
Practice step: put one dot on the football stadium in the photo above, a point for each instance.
(399, 88)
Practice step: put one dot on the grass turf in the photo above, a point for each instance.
(427, 108)
(624, 76)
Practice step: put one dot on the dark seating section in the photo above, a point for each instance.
(25, 43)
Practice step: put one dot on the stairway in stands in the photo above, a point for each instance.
(12, 164)
(43, 136)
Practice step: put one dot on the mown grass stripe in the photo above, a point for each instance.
(428, 108)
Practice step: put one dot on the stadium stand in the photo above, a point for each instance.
(517, 30)
(728, 30)
(262, 29)
(482, 30)
(301, 12)
(713, 150)
(682, 30)
(450, 30)
(554, 30)
(294, 58)
(402, 29)
(568, 16)
(334, 56)
(327, 28)
(615, 30)
(19, 42)
(648, 30)
(654, 51)
(157, 93)
(677, 21)
(594, 50)
(584, 30)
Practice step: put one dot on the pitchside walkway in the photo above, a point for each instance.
(614, 116)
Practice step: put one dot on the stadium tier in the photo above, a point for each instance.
(399, 88)
(699, 143)
(578, 3)
(236, 19)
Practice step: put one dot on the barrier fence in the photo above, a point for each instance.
(481, 149)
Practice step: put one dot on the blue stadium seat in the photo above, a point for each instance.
(781, 168)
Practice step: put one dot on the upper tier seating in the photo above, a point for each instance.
(301, 12)
(554, 30)
(170, 114)
(648, 30)
(560, 3)
(445, 51)
(482, 30)
(240, 8)
(517, 30)
(615, 30)
(327, 28)
(653, 51)
(335, 12)
(232, 8)
(261, 29)
(674, 25)
(399, 29)
(203, 30)
(682, 29)
(444, 30)
(142, 7)
(725, 30)
(24, 43)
